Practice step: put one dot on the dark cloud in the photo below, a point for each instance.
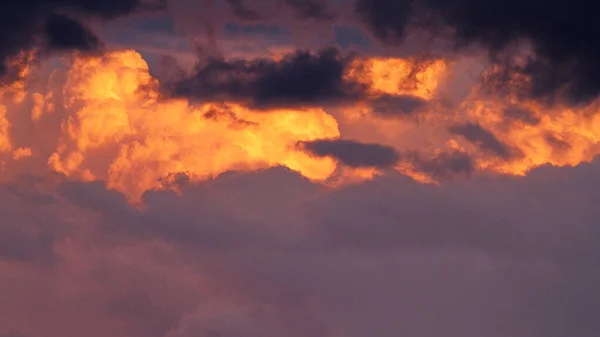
(22, 22)
(563, 35)
(388, 19)
(64, 33)
(440, 167)
(300, 78)
(12, 333)
(315, 9)
(397, 106)
(353, 153)
(304, 9)
(443, 166)
(483, 138)
(241, 11)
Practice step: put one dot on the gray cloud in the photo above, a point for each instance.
(484, 139)
(304, 9)
(444, 165)
(300, 78)
(489, 256)
(440, 167)
(398, 106)
(353, 153)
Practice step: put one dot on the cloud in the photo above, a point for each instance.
(398, 106)
(241, 11)
(353, 153)
(22, 239)
(298, 79)
(64, 33)
(562, 65)
(224, 319)
(482, 138)
(523, 115)
(387, 19)
(304, 9)
(443, 166)
(102, 117)
(316, 9)
(270, 253)
(23, 22)
(128, 213)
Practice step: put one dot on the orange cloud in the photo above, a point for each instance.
(103, 118)
(395, 76)
(122, 131)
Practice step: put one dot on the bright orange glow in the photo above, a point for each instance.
(561, 137)
(104, 119)
(395, 76)
(123, 132)
(5, 144)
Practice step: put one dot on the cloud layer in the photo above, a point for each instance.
(487, 256)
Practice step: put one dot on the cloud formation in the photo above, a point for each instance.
(300, 78)
(23, 22)
(482, 138)
(354, 154)
(104, 117)
(562, 35)
(296, 184)
(64, 33)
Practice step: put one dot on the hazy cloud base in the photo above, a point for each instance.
(269, 253)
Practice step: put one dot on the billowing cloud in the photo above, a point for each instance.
(561, 65)
(104, 117)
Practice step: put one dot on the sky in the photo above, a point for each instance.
(295, 168)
